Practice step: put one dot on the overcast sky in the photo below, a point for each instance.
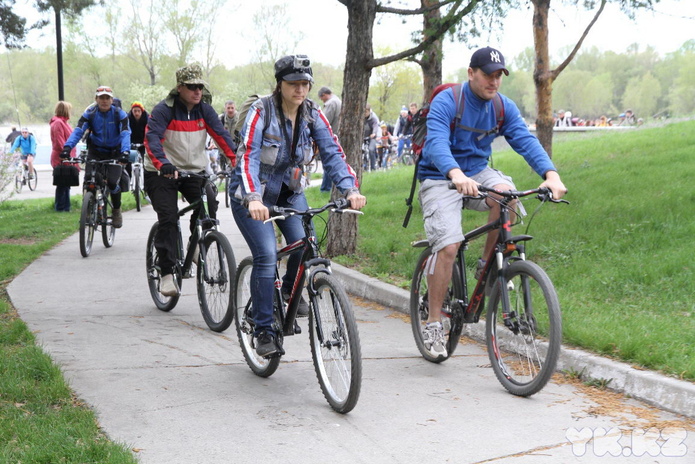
(324, 25)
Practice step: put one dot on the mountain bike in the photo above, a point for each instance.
(334, 339)
(407, 153)
(137, 178)
(210, 250)
(22, 177)
(224, 174)
(96, 205)
(523, 328)
(366, 160)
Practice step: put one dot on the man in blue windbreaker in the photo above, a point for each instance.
(109, 138)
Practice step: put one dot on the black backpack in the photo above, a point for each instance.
(420, 131)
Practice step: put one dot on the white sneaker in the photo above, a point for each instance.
(169, 286)
(433, 338)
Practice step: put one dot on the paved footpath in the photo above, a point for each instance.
(175, 392)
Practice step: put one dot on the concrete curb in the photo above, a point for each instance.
(674, 395)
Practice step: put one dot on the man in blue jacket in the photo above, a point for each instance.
(26, 142)
(461, 156)
(109, 138)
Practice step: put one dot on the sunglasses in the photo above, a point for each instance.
(104, 89)
(192, 87)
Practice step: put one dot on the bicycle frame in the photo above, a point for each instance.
(310, 259)
(184, 262)
(308, 268)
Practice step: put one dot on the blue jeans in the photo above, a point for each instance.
(260, 238)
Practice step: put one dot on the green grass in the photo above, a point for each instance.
(40, 420)
(618, 255)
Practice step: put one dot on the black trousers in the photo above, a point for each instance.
(163, 193)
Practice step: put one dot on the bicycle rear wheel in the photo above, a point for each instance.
(154, 274)
(262, 367)
(524, 350)
(88, 220)
(215, 281)
(33, 181)
(335, 344)
(108, 231)
(452, 313)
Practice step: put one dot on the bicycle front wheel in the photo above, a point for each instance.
(18, 181)
(262, 367)
(154, 274)
(33, 180)
(88, 220)
(215, 281)
(452, 312)
(524, 348)
(335, 344)
(108, 231)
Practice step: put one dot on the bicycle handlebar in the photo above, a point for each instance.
(544, 193)
(338, 206)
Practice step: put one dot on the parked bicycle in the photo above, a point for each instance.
(209, 249)
(334, 340)
(22, 176)
(523, 328)
(137, 178)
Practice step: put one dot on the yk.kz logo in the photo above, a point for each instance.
(669, 442)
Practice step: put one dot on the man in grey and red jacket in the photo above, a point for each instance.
(175, 139)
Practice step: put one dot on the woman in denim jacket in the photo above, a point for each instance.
(276, 142)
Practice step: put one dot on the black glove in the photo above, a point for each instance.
(167, 169)
(65, 153)
(125, 158)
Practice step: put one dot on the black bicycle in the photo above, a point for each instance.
(97, 209)
(523, 328)
(223, 176)
(210, 250)
(334, 339)
(137, 178)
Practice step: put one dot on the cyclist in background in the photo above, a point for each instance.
(26, 143)
(109, 138)
(462, 158)
(175, 139)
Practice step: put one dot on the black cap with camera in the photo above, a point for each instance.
(294, 68)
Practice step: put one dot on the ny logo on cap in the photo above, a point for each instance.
(495, 56)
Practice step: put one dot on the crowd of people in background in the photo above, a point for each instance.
(566, 119)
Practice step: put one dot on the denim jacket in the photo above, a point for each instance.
(265, 159)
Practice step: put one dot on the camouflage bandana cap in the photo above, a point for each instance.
(190, 74)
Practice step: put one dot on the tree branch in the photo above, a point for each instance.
(447, 23)
(555, 72)
(399, 11)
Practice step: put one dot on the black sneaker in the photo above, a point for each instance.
(266, 344)
(303, 309)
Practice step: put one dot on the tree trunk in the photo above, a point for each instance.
(543, 76)
(342, 228)
(431, 62)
